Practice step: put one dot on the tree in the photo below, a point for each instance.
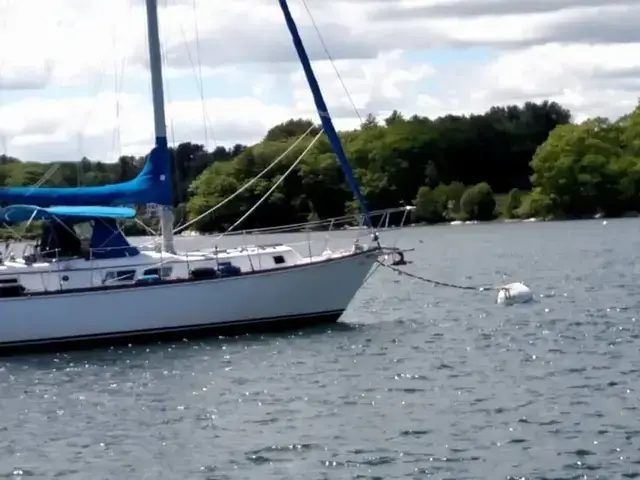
(478, 203)
(394, 117)
(438, 204)
(290, 129)
(513, 203)
(431, 205)
(370, 121)
(577, 167)
(536, 205)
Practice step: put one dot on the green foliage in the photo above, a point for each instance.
(439, 204)
(512, 204)
(588, 168)
(430, 205)
(455, 192)
(392, 162)
(536, 205)
(396, 161)
(478, 203)
(24, 231)
(290, 129)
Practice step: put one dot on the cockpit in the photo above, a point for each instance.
(59, 240)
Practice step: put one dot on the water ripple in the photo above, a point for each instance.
(421, 382)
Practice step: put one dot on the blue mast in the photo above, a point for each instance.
(323, 111)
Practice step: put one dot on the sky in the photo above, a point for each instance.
(74, 80)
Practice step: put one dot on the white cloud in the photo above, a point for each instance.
(59, 68)
(589, 79)
(377, 85)
(63, 129)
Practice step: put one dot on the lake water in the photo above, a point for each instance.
(417, 382)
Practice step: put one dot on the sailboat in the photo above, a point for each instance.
(68, 289)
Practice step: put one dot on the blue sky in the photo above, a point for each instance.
(441, 57)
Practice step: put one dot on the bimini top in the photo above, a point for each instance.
(152, 185)
(15, 214)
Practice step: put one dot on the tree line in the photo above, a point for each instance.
(586, 169)
(513, 161)
(449, 167)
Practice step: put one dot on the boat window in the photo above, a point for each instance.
(163, 272)
(279, 259)
(120, 276)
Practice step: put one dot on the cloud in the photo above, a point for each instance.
(74, 81)
(478, 8)
(375, 86)
(54, 129)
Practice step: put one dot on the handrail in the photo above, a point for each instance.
(316, 223)
(329, 225)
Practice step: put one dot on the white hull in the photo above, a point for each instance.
(73, 273)
(307, 292)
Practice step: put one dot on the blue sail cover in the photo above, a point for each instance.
(152, 185)
(15, 214)
(323, 111)
(108, 241)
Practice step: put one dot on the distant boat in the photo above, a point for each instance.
(68, 288)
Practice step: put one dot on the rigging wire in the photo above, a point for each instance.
(250, 182)
(145, 227)
(271, 190)
(201, 82)
(47, 175)
(96, 88)
(167, 90)
(116, 139)
(335, 68)
(5, 8)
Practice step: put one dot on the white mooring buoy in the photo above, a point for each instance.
(513, 293)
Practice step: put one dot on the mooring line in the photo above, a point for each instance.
(436, 282)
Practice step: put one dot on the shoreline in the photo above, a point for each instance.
(453, 223)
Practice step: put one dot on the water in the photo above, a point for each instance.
(420, 382)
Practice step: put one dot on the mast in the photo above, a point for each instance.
(160, 126)
(323, 111)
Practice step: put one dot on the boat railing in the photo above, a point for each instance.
(335, 235)
(320, 235)
(382, 220)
